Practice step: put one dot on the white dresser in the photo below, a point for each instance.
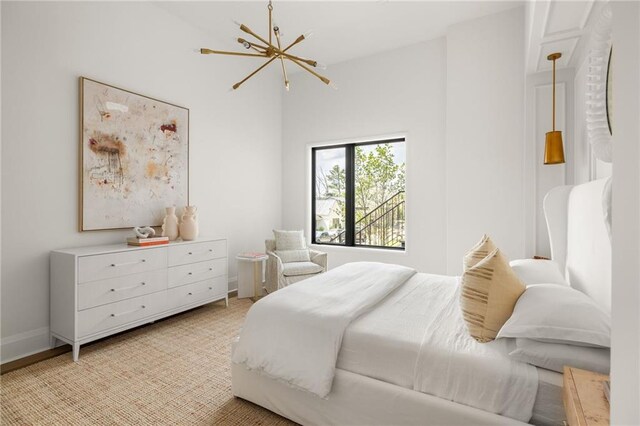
(101, 290)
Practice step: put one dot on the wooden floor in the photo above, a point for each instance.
(174, 372)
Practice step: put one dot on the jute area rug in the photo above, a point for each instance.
(174, 372)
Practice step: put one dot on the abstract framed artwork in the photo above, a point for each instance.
(134, 157)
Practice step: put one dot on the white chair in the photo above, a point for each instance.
(280, 274)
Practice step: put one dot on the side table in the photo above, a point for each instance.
(250, 276)
(584, 397)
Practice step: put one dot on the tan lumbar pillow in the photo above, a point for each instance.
(490, 290)
(478, 252)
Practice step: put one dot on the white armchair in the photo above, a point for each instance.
(280, 274)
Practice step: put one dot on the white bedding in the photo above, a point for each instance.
(416, 339)
(295, 334)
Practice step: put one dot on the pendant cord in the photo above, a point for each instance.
(554, 97)
(270, 7)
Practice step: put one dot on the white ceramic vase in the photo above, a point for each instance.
(189, 224)
(170, 224)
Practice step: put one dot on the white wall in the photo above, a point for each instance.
(402, 91)
(461, 109)
(235, 137)
(541, 178)
(0, 175)
(485, 135)
(625, 310)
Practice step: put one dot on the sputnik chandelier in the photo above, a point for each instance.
(271, 52)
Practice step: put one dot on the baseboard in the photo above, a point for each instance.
(233, 284)
(24, 344)
(32, 359)
(34, 342)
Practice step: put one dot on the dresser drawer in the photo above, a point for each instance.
(96, 293)
(192, 293)
(194, 272)
(102, 266)
(197, 252)
(95, 320)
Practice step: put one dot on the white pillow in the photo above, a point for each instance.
(538, 271)
(558, 314)
(288, 256)
(554, 356)
(290, 240)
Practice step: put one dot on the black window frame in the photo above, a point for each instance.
(350, 205)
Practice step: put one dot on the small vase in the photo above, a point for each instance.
(189, 224)
(170, 224)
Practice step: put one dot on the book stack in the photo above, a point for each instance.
(145, 242)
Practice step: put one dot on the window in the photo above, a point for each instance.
(358, 194)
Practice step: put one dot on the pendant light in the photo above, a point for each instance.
(553, 150)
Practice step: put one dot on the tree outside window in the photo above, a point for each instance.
(359, 194)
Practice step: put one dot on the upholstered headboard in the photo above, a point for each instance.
(578, 221)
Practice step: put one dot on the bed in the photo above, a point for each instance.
(401, 361)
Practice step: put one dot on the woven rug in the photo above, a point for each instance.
(174, 372)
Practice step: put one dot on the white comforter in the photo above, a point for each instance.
(416, 338)
(295, 334)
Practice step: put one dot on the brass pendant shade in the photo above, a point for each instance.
(553, 149)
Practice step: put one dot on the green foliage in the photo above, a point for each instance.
(378, 177)
(336, 181)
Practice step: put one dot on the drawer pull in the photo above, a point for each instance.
(129, 288)
(115, 265)
(201, 272)
(198, 292)
(204, 252)
(128, 312)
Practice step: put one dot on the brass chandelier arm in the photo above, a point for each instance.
(224, 52)
(248, 31)
(297, 58)
(258, 50)
(296, 41)
(284, 69)
(253, 45)
(268, 43)
(325, 80)
(235, 86)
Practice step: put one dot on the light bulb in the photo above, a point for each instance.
(237, 23)
(333, 85)
(320, 65)
(277, 29)
(308, 34)
(286, 86)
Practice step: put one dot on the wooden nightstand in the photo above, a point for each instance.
(583, 395)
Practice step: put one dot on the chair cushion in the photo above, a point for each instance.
(293, 255)
(290, 240)
(300, 268)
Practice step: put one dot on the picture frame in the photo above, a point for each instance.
(133, 157)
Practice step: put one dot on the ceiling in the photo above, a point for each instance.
(560, 26)
(342, 30)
